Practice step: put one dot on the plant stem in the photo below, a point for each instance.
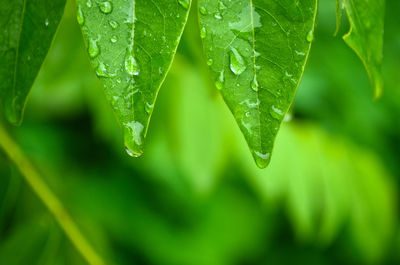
(49, 199)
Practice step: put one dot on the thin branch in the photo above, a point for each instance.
(49, 199)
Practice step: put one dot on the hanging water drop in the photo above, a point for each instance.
(210, 62)
(134, 138)
(184, 3)
(46, 22)
(262, 159)
(236, 62)
(106, 7)
(93, 48)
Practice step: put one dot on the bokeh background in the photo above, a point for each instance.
(330, 195)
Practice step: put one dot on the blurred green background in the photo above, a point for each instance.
(196, 196)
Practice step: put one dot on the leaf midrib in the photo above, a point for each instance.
(255, 70)
(17, 48)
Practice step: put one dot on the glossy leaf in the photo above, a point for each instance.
(366, 36)
(131, 45)
(27, 30)
(257, 50)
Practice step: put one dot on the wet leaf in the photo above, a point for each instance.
(131, 45)
(366, 36)
(27, 30)
(258, 50)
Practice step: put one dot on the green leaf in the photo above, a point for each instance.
(257, 50)
(131, 45)
(27, 30)
(366, 36)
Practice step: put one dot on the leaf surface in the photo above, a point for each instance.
(366, 36)
(27, 30)
(257, 50)
(131, 45)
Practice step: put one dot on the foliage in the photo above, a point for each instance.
(329, 195)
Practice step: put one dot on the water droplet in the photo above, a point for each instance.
(236, 62)
(220, 82)
(203, 32)
(114, 24)
(221, 5)
(114, 39)
(254, 84)
(134, 138)
(80, 17)
(132, 154)
(218, 16)
(119, 80)
(262, 159)
(101, 70)
(148, 107)
(106, 7)
(46, 22)
(89, 3)
(130, 64)
(93, 48)
(276, 112)
(210, 62)
(310, 36)
(288, 117)
(184, 3)
(203, 10)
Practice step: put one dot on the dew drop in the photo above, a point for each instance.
(236, 62)
(148, 107)
(93, 48)
(276, 112)
(80, 17)
(101, 70)
(254, 84)
(203, 32)
(89, 3)
(131, 66)
(114, 24)
(310, 36)
(218, 16)
(46, 22)
(210, 62)
(203, 10)
(106, 7)
(184, 3)
(221, 5)
(220, 82)
(114, 39)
